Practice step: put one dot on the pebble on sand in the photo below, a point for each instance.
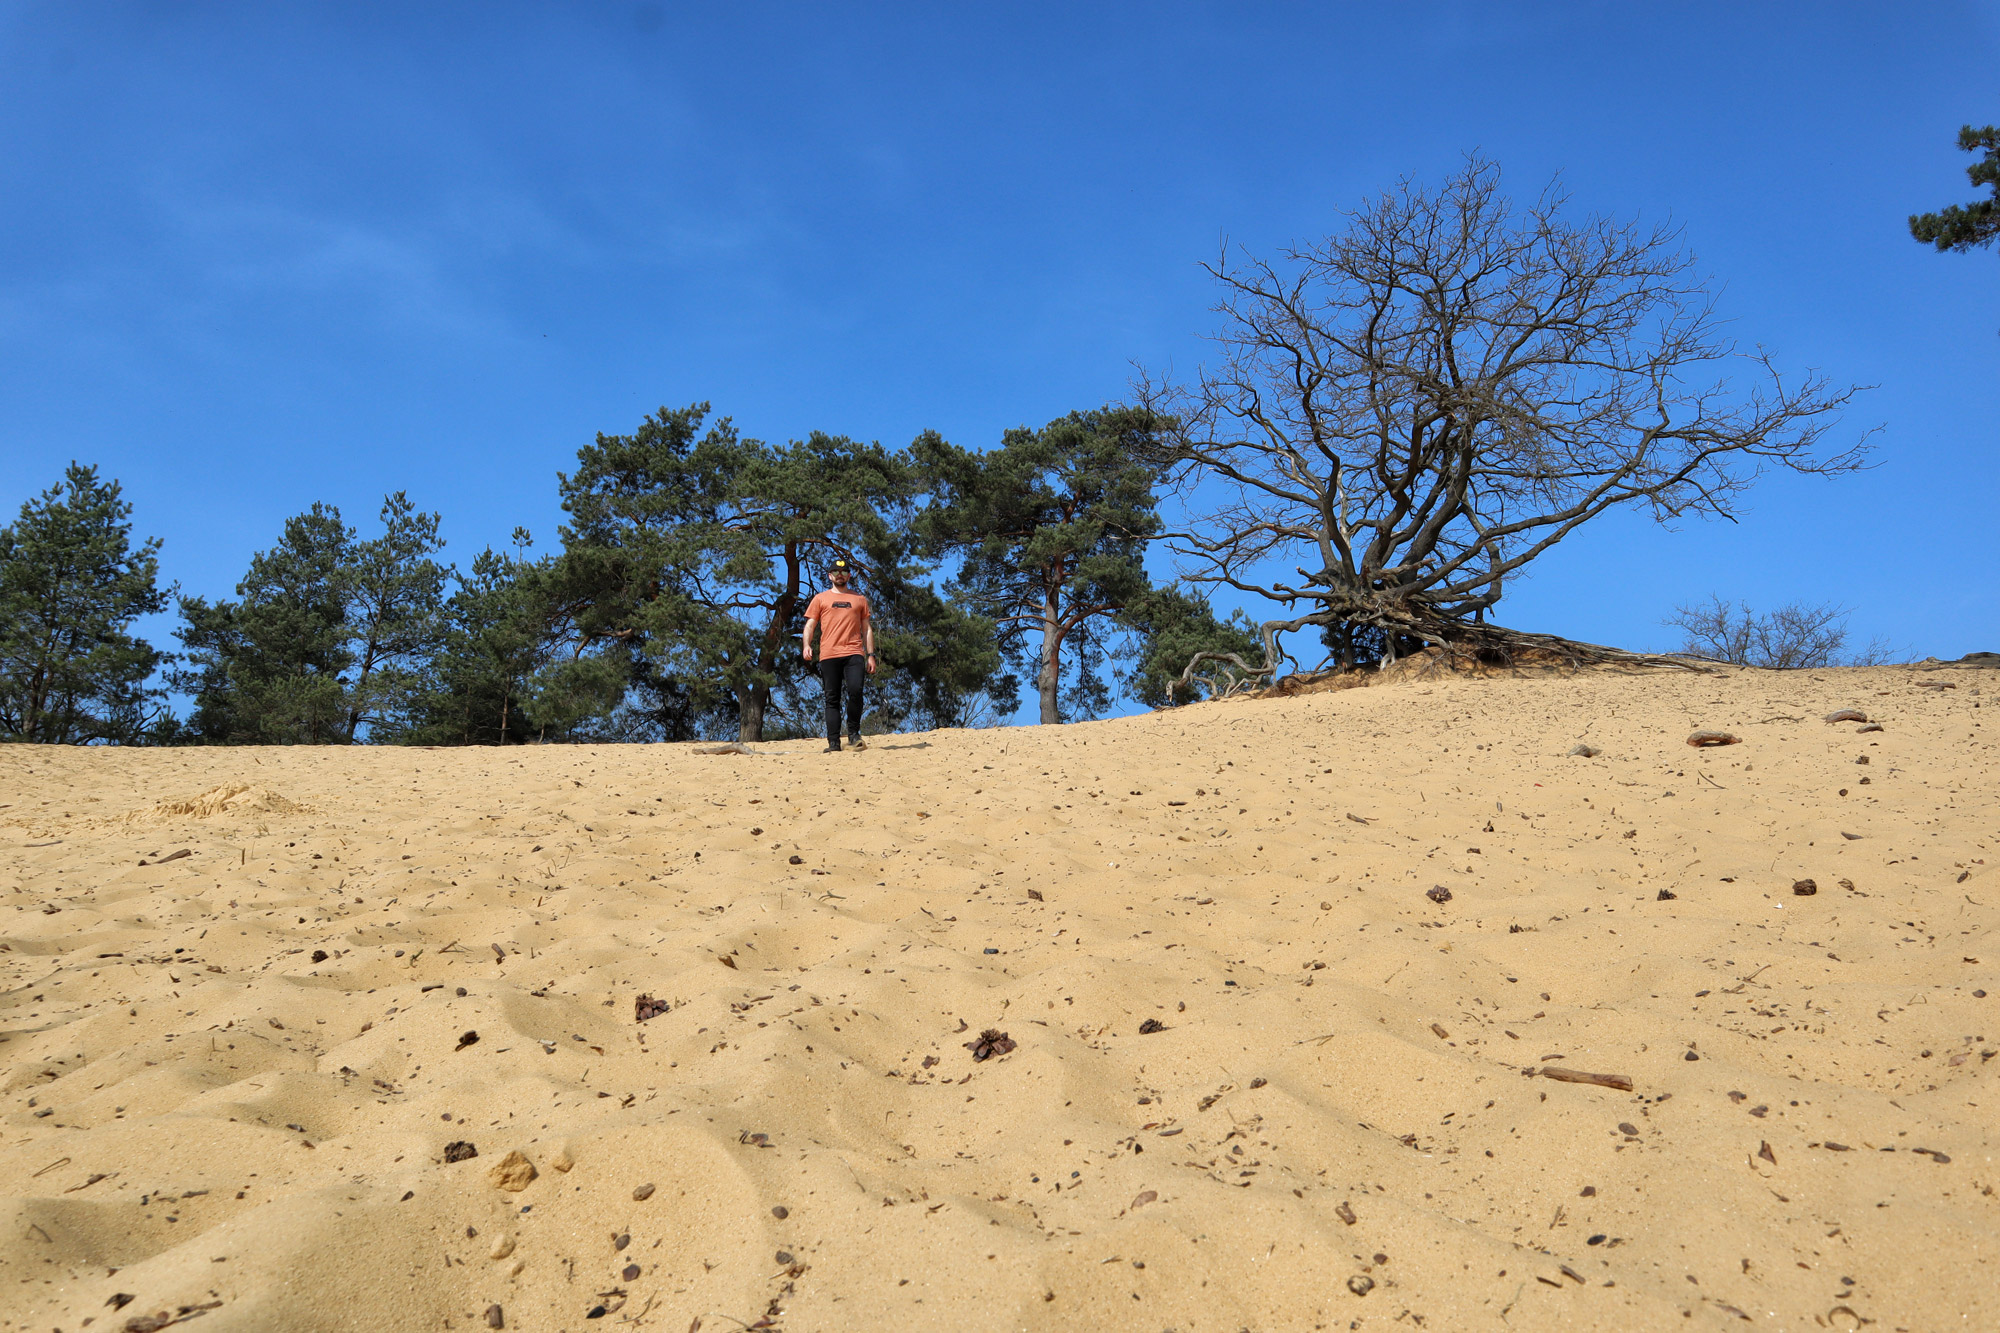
(460, 1151)
(643, 1193)
(513, 1173)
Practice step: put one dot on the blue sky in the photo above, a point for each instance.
(255, 255)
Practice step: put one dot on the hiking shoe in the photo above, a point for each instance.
(832, 747)
(856, 743)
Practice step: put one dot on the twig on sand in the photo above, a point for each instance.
(1618, 1081)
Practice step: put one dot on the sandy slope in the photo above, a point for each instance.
(195, 1111)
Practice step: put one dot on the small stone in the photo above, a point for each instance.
(1585, 752)
(461, 992)
(781, 1212)
(501, 1248)
(621, 1241)
(1438, 894)
(1804, 888)
(783, 1257)
(513, 1173)
(468, 1038)
(1704, 739)
(562, 1161)
(643, 1193)
(461, 1151)
(798, 860)
(1664, 896)
(1690, 1056)
(1150, 1026)
(646, 1007)
(630, 1273)
(1361, 1284)
(319, 955)
(495, 1317)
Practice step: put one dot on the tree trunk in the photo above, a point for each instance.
(750, 715)
(1048, 680)
(754, 701)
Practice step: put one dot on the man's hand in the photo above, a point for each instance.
(871, 664)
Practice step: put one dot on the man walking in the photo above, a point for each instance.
(846, 648)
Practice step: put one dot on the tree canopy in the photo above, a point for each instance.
(1964, 227)
(71, 586)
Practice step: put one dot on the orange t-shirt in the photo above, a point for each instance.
(842, 617)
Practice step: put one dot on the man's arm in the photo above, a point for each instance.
(806, 640)
(868, 636)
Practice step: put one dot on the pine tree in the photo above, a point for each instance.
(395, 614)
(71, 586)
(1052, 527)
(1963, 227)
(328, 638)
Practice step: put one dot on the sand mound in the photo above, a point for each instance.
(1262, 1015)
(231, 798)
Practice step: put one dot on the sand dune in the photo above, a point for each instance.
(231, 1077)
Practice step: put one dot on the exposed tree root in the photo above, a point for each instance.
(1448, 647)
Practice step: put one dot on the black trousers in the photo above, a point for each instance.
(838, 675)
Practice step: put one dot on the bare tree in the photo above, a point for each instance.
(1792, 636)
(1426, 402)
